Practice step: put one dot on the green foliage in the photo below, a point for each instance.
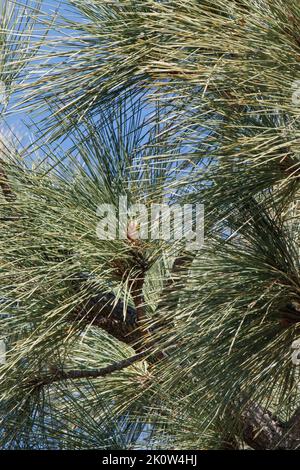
(184, 102)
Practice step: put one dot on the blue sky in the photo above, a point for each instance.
(23, 124)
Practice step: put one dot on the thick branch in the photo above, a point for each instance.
(102, 310)
(262, 430)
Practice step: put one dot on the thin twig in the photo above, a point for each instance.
(61, 375)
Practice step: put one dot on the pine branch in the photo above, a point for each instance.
(103, 311)
(61, 375)
(261, 430)
(5, 185)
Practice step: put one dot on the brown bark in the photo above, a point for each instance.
(261, 430)
(128, 326)
(5, 185)
(103, 311)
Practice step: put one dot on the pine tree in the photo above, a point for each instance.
(141, 343)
